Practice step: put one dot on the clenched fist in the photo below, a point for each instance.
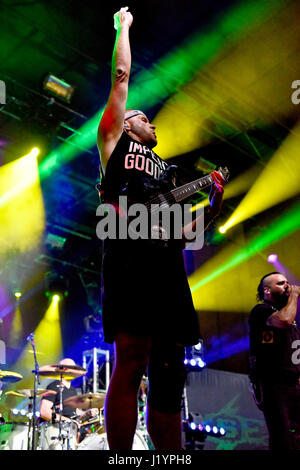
(122, 17)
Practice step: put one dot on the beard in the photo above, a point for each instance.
(281, 298)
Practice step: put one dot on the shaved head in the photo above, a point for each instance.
(275, 288)
(67, 362)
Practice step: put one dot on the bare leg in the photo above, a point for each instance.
(164, 429)
(131, 358)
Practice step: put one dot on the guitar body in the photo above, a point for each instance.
(147, 189)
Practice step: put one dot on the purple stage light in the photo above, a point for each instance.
(273, 258)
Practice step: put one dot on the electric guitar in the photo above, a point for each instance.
(165, 198)
(160, 194)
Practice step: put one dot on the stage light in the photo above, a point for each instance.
(22, 216)
(56, 286)
(196, 431)
(18, 294)
(193, 356)
(59, 88)
(15, 334)
(34, 152)
(56, 298)
(283, 226)
(201, 363)
(272, 258)
(48, 341)
(261, 195)
(199, 346)
(156, 84)
(229, 86)
(222, 229)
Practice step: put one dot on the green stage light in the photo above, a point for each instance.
(163, 79)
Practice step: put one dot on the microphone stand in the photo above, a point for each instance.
(36, 381)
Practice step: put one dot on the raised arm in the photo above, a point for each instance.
(111, 124)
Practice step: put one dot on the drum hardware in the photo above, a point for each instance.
(92, 425)
(86, 401)
(54, 438)
(7, 376)
(61, 372)
(28, 393)
(32, 404)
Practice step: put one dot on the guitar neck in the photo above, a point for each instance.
(189, 189)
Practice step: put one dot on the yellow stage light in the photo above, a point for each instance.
(243, 85)
(16, 329)
(48, 342)
(278, 181)
(56, 298)
(34, 152)
(22, 217)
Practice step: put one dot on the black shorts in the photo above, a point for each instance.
(146, 292)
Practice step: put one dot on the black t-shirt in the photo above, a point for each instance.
(145, 285)
(272, 347)
(66, 393)
(129, 166)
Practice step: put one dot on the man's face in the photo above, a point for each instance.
(278, 288)
(143, 130)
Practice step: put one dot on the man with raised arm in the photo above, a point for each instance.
(148, 311)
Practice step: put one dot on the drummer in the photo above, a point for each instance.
(49, 407)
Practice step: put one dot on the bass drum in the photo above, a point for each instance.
(14, 436)
(49, 433)
(99, 442)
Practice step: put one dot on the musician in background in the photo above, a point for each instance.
(148, 311)
(49, 407)
(274, 360)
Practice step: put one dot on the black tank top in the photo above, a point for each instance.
(128, 166)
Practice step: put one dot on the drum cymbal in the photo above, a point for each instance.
(58, 371)
(66, 366)
(86, 401)
(29, 393)
(8, 376)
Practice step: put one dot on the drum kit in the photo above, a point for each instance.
(78, 433)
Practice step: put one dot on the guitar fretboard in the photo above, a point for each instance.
(189, 189)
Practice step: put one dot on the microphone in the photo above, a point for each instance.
(30, 337)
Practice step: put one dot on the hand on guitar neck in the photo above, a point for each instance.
(216, 194)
